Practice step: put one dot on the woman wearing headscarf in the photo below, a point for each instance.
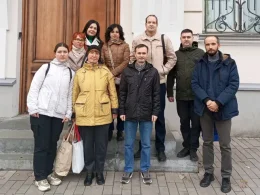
(95, 105)
(49, 105)
(115, 54)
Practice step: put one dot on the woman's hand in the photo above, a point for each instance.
(36, 115)
(114, 116)
(65, 120)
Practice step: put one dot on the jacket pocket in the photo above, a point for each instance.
(62, 106)
(105, 108)
(44, 99)
(80, 106)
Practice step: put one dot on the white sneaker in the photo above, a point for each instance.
(43, 185)
(54, 180)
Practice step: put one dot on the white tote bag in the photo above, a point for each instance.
(78, 153)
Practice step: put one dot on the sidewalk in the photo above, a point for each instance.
(245, 178)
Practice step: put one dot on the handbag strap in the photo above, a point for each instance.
(111, 57)
(71, 131)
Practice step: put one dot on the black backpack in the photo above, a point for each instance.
(48, 68)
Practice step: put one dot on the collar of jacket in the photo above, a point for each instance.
(147, 66)
(118, 42)
(224, 58)
(89, 66)
(157, 36)
(193, 47)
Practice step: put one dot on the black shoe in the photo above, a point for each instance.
(226, 185)
(207, 179)
(89, 178)
(120, 136)
(184, 152)
(193, 156)
(137, 154)
(161, 156)
(110, 135)
(100, 178)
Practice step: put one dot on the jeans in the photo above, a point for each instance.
(46, 132)
(160, 130)
(190, 124)
(145, 129)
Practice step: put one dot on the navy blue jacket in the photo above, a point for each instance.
(225, 83)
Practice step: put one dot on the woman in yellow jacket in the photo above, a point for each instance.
(95, 103)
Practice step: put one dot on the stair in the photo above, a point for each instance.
(16, 149)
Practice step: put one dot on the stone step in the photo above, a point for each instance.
(16, 149)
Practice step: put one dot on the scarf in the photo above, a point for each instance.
(77, 52)
(58, 63)
(94, 42)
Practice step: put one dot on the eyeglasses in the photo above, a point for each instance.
(82, 40)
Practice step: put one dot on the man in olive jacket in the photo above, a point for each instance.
(187, 56)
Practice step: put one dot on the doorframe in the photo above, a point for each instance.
(72, 25)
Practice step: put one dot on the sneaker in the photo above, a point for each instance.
(43, 185)
(54, 180)
(126, 178)
(146, 177)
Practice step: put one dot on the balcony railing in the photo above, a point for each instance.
(239, 16)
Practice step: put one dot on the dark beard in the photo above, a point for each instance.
(212, 54)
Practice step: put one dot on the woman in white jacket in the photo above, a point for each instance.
(49, 105)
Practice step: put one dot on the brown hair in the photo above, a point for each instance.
(61, 45)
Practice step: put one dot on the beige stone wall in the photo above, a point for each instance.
(193, 15)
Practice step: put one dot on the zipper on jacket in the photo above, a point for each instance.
(151, 52)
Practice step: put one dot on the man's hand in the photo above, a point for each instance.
(114, 116)
(212, 106)
(171, 99)
(36, 115)
(122, 117)
(154, 118)
(65, 120)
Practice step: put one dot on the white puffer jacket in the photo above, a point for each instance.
(51, 95)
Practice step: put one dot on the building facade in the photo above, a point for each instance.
(29, 29)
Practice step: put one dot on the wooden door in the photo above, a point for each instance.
(48, 22)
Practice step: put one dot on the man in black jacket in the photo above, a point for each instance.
(139, 104)
(187, 56)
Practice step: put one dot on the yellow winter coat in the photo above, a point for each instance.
(94, 95)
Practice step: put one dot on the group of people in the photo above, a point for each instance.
(94, 82)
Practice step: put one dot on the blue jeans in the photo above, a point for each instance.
(145, 129)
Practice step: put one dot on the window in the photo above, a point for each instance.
(240, 16)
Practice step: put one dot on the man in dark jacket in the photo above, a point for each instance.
(139, 105)
(187, 56)
(215, 82)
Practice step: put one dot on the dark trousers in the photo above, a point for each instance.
(190, 124)
(160, 130)
(223, 129)
(120, 123)
(46, 132)
(95, 146)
